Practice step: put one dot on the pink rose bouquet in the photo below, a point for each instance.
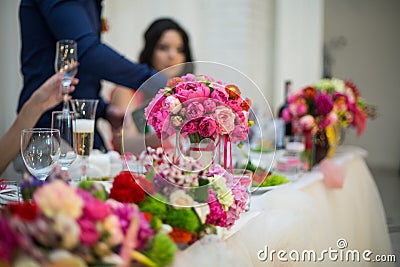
(199, 107)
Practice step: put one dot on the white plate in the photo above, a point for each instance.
(263, 189)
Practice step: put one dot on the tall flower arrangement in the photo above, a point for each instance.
(328, 102)
(199, 107)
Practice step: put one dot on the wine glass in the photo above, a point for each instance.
(40, 149)
(65, 122)
(85, 110)
(66, 61)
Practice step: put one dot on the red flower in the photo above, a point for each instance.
(25, 210)
(125, 189)
(309, 92)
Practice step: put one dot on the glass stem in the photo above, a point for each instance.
(85, 164)
(65, 91)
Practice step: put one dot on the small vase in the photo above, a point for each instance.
(316, 147)
(204, 152)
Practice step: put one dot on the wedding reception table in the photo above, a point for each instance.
(286, 225)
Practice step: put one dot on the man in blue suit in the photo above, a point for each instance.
(43, 23)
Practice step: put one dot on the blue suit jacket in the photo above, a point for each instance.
(43, 22)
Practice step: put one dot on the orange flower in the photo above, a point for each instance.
(309, 92)
(174, 81)
(180, 236)
(233, 91)
(245, 105)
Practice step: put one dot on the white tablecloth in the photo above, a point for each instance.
(305, 216)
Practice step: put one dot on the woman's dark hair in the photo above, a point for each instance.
(153, 34)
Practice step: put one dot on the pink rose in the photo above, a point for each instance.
(209, 105)
(239, 133)
(171, 104)
(307, 122)
(194, 110)
(207, 127)
(225, 118)
(191, 90)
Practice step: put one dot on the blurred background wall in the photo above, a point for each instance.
(270, 41)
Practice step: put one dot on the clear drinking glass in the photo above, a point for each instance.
(66, 61)
(85, 112)
(40, 150)
(65, 123)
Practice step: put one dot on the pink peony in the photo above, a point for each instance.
(225, 118)
(171, 104)
(207, 127)
(93, 209)
(239, 133)
(220, 94)
(209, 105)
(191, 90)
(323, 104)
(194, 110)
(190, 127)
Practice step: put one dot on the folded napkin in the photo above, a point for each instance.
(9, 193)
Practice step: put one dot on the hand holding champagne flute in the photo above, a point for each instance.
(85, 110)
(66, 61)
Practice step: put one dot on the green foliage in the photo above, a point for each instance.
(184, 218)
(275, 179)
(162, 250)
(155, 205)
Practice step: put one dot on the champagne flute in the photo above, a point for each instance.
(40, 150)
(85, 110)
(65, 122)
(66, 61)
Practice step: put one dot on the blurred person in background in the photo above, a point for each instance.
(166, 44)
(43, 23)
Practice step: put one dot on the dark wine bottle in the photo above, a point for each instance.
(288, 126)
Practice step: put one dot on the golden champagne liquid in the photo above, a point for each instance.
(84, 136)
(84, 143)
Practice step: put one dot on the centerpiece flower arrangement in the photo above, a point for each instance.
(67, 226)
(191, 200)
(200, 107)
(329, 105)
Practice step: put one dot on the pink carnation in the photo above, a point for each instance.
(217, 216)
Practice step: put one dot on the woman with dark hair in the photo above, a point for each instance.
(166, 44)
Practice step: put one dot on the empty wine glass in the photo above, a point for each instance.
(40, 149)
(65, 122)
(85, 110)
(66, 61)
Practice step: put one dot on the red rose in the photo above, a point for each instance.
(25, 210)
(125, 189)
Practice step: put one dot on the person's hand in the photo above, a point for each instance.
(115, 116)
(49, 93)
